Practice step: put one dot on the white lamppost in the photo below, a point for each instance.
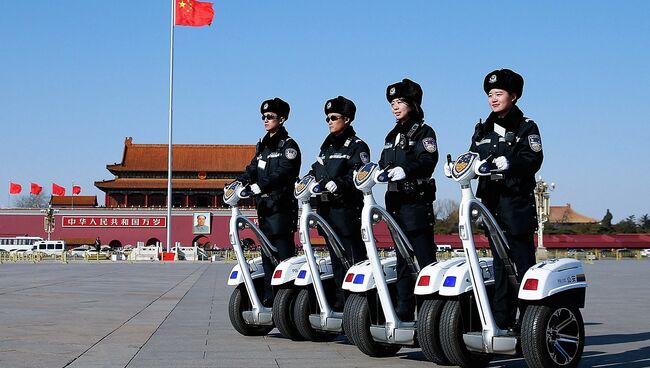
(543, 205)
(49, 220)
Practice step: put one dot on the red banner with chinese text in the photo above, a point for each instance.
(113, 221)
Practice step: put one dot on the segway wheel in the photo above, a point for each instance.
(453, 324)
(429, 331)
(303, 307)
(552, 336)
(239, 302)
(359, 319)
(347, 318)
(283, 313)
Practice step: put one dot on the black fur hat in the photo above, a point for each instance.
(277, 106)
(504, 79)
(406, 89)
(341, 105)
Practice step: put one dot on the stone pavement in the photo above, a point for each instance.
(175, 315)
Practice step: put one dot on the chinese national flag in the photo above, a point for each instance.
(193, 13)
(58, 190)
(14, 188)
(76, 189)
(36, 189)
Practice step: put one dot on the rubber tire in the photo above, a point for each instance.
(239, 302)
(359, 316)
(283, 313)
(429, 331)
(534, 335)
(301, 310)
(451, 338)
(347, 326)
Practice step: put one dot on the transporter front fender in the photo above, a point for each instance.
(552, 277)
(287, 271)
(255, 267)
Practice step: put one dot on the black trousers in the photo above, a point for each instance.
(425, 253)
(286, 249)
(355, 251)
(522, 254)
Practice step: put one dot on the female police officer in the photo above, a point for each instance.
(271, 175)
(513, 141)
(340, 154)
(410, 154)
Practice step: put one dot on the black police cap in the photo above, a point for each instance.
(341, 105)
(504, 79)
(277, 106)
(405, 89)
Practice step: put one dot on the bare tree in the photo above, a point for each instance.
(443, 208)
(32, 201)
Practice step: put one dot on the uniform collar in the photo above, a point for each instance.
(273, 142)
(510, 121)
(402, 128)
(338, 140)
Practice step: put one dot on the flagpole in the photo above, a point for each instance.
(169, 149)
(72, 194)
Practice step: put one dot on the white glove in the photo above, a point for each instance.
(447, 168)
(396, 173)
(255, 189)
(501, 163)
(331, 186)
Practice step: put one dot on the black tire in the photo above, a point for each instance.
(283, 313)
(347, 318)
(303, 307)
(429, 331)
(540, 331)
(239, 302)
(453, 324)
(359, 320)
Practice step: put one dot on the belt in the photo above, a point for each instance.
(407, 185)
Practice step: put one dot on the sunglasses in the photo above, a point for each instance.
(333, 118)
(269, 117)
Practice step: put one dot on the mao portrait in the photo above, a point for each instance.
(201, 223)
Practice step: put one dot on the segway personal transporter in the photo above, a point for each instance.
(369, 313)
(313, 314)
(552, 329)
(247, 313)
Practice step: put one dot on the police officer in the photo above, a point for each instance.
(271, 176)
(513, 142)
(410, 154)
(340, 154)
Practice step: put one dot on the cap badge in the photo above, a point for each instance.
(266, 106)
(329, 105)
(392, 91)
(493, 78)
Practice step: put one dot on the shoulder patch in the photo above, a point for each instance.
(291, 153)
(430, 144)
(365, 158)
(535, 142)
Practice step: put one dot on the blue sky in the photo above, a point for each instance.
(80, 76)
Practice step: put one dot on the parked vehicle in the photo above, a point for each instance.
(645, 252)
(50, 247)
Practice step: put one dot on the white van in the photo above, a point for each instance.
(49, 246)
(443, 248)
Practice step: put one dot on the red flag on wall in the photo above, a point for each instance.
(193, 13)
(76, 189)
(36, 189)
(58, 190)
(14, 188)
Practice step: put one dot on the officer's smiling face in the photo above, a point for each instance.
(401, 109)
(500, 101)
(336, 123)
(271, 122)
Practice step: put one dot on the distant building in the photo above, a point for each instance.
(566, 215)
(73, 201)
(200, 172)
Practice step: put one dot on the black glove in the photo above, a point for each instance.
(479, 132)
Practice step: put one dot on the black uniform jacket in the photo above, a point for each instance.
(275, 168)
(338, 158)
(511, 199)
(412, 146)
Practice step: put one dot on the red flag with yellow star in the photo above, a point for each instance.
(193, 13)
